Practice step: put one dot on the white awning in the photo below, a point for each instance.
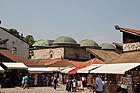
(66, 70)
(115, 68)
(39, 70)
(1, 70)
(11, 65)
(57, 69)
(88, 68)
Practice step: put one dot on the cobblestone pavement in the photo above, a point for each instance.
(60, 89)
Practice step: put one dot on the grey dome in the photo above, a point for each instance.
(107, 46)
(88, 43)
(43, 43)
(64, 40)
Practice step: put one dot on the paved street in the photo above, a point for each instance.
(60, 89)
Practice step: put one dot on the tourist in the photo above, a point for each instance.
(55, 82)
(74, 85)
(43, 80)
(105, 85)
(47, 80)
(26, 81)
(68, 86)
(22, 82)
(99, 85)
(84, 81)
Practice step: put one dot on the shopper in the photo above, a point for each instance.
(55, 82)
(26, 81)
(99, 85)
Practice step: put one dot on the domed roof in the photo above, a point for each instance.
(88, 43)
(107, 46)
(42, 42)
(64, 40)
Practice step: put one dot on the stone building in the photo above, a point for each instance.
(64, 48)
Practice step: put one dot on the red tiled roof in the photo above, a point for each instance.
(129, 30)
(15, 58)
(56, 63)
(65, 63)
(93, 61)
(86, 63)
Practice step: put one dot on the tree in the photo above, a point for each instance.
(14, 32)
(29, 39)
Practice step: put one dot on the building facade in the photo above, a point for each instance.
(14, 44)
(64, 48)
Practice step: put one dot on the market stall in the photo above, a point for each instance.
(13, 73)
(120, 77)
(36, 75)
(65, 75)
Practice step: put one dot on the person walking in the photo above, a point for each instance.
(99, 85)
(68, 86)
(22, 82)
(55, 82)
(74, 85)
(26, 81)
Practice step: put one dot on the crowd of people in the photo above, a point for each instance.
(72, 84)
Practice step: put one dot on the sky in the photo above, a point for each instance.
(78, 19)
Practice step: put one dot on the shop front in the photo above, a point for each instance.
(121, 78)
(65, 75)
(13, 73)
(38, 75)
(1, 75)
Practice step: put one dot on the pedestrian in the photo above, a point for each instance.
(26, 81)
(99, 85)
(105, 85)
(22, 82)
(84, 81)
(74, 85)
(43, 80)
(55, 82)
(68, 86)
(47, 80)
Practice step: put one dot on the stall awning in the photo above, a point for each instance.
(15, 65)
(1, 70)
(115, 68)
(67, 70)
(88, 68)
(56, 69)
(39, 70)
(74, 71)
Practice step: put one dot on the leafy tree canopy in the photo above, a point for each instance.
(29, 38)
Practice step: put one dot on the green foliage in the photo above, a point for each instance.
(29, 39)
(14, 32)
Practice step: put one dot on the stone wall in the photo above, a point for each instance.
(51, 53)
(62, 52)
(76, 53)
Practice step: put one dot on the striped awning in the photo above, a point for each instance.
(39, 70)
(67, 70)
(1, 70)
(120, 68)
(89, 68)
(12, 65)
